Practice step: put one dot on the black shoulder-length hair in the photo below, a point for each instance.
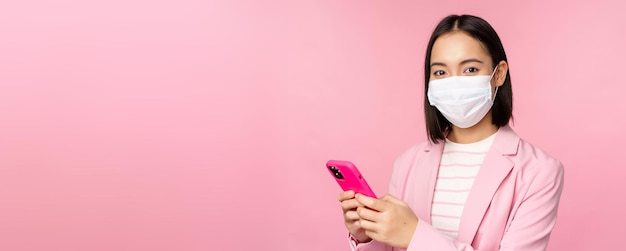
(437, 125)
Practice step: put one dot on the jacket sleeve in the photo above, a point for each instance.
(397, 180)
(369, 246)
(530, 227)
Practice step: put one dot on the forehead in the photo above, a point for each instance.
(454, 47)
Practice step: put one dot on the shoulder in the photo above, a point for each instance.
(529, 153)
(415, 153)
(527, 158)
(409, 154)
(534, 164)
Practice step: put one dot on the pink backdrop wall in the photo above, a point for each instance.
(195, 125)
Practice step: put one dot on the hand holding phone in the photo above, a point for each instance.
(348, 177)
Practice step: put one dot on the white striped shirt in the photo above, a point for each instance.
(458, 169)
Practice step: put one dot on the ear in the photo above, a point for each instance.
(500, 75)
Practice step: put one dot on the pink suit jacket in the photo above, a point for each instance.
(512, 205)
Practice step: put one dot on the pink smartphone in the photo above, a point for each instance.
(348, 177)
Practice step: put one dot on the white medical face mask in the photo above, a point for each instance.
(463, 100)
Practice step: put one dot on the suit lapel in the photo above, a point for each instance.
(494, 170)
(430, 165)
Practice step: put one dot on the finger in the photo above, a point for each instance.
(351, 204)
(374, 235)
(389, 198)
(372, 203)
(346, 195)
(368, 226)
(367, 214)
(352, 216)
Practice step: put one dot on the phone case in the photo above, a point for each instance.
(348, 177)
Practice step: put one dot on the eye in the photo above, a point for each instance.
(471, 70)
(439, 73)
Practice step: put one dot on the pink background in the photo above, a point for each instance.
(195, 125)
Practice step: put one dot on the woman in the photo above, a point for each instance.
(475, 185)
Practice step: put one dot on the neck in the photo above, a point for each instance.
(482, 130)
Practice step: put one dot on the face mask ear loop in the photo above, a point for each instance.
(494, 95)
(493, 73)
(496, 92)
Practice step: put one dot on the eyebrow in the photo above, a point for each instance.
(470, 60)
